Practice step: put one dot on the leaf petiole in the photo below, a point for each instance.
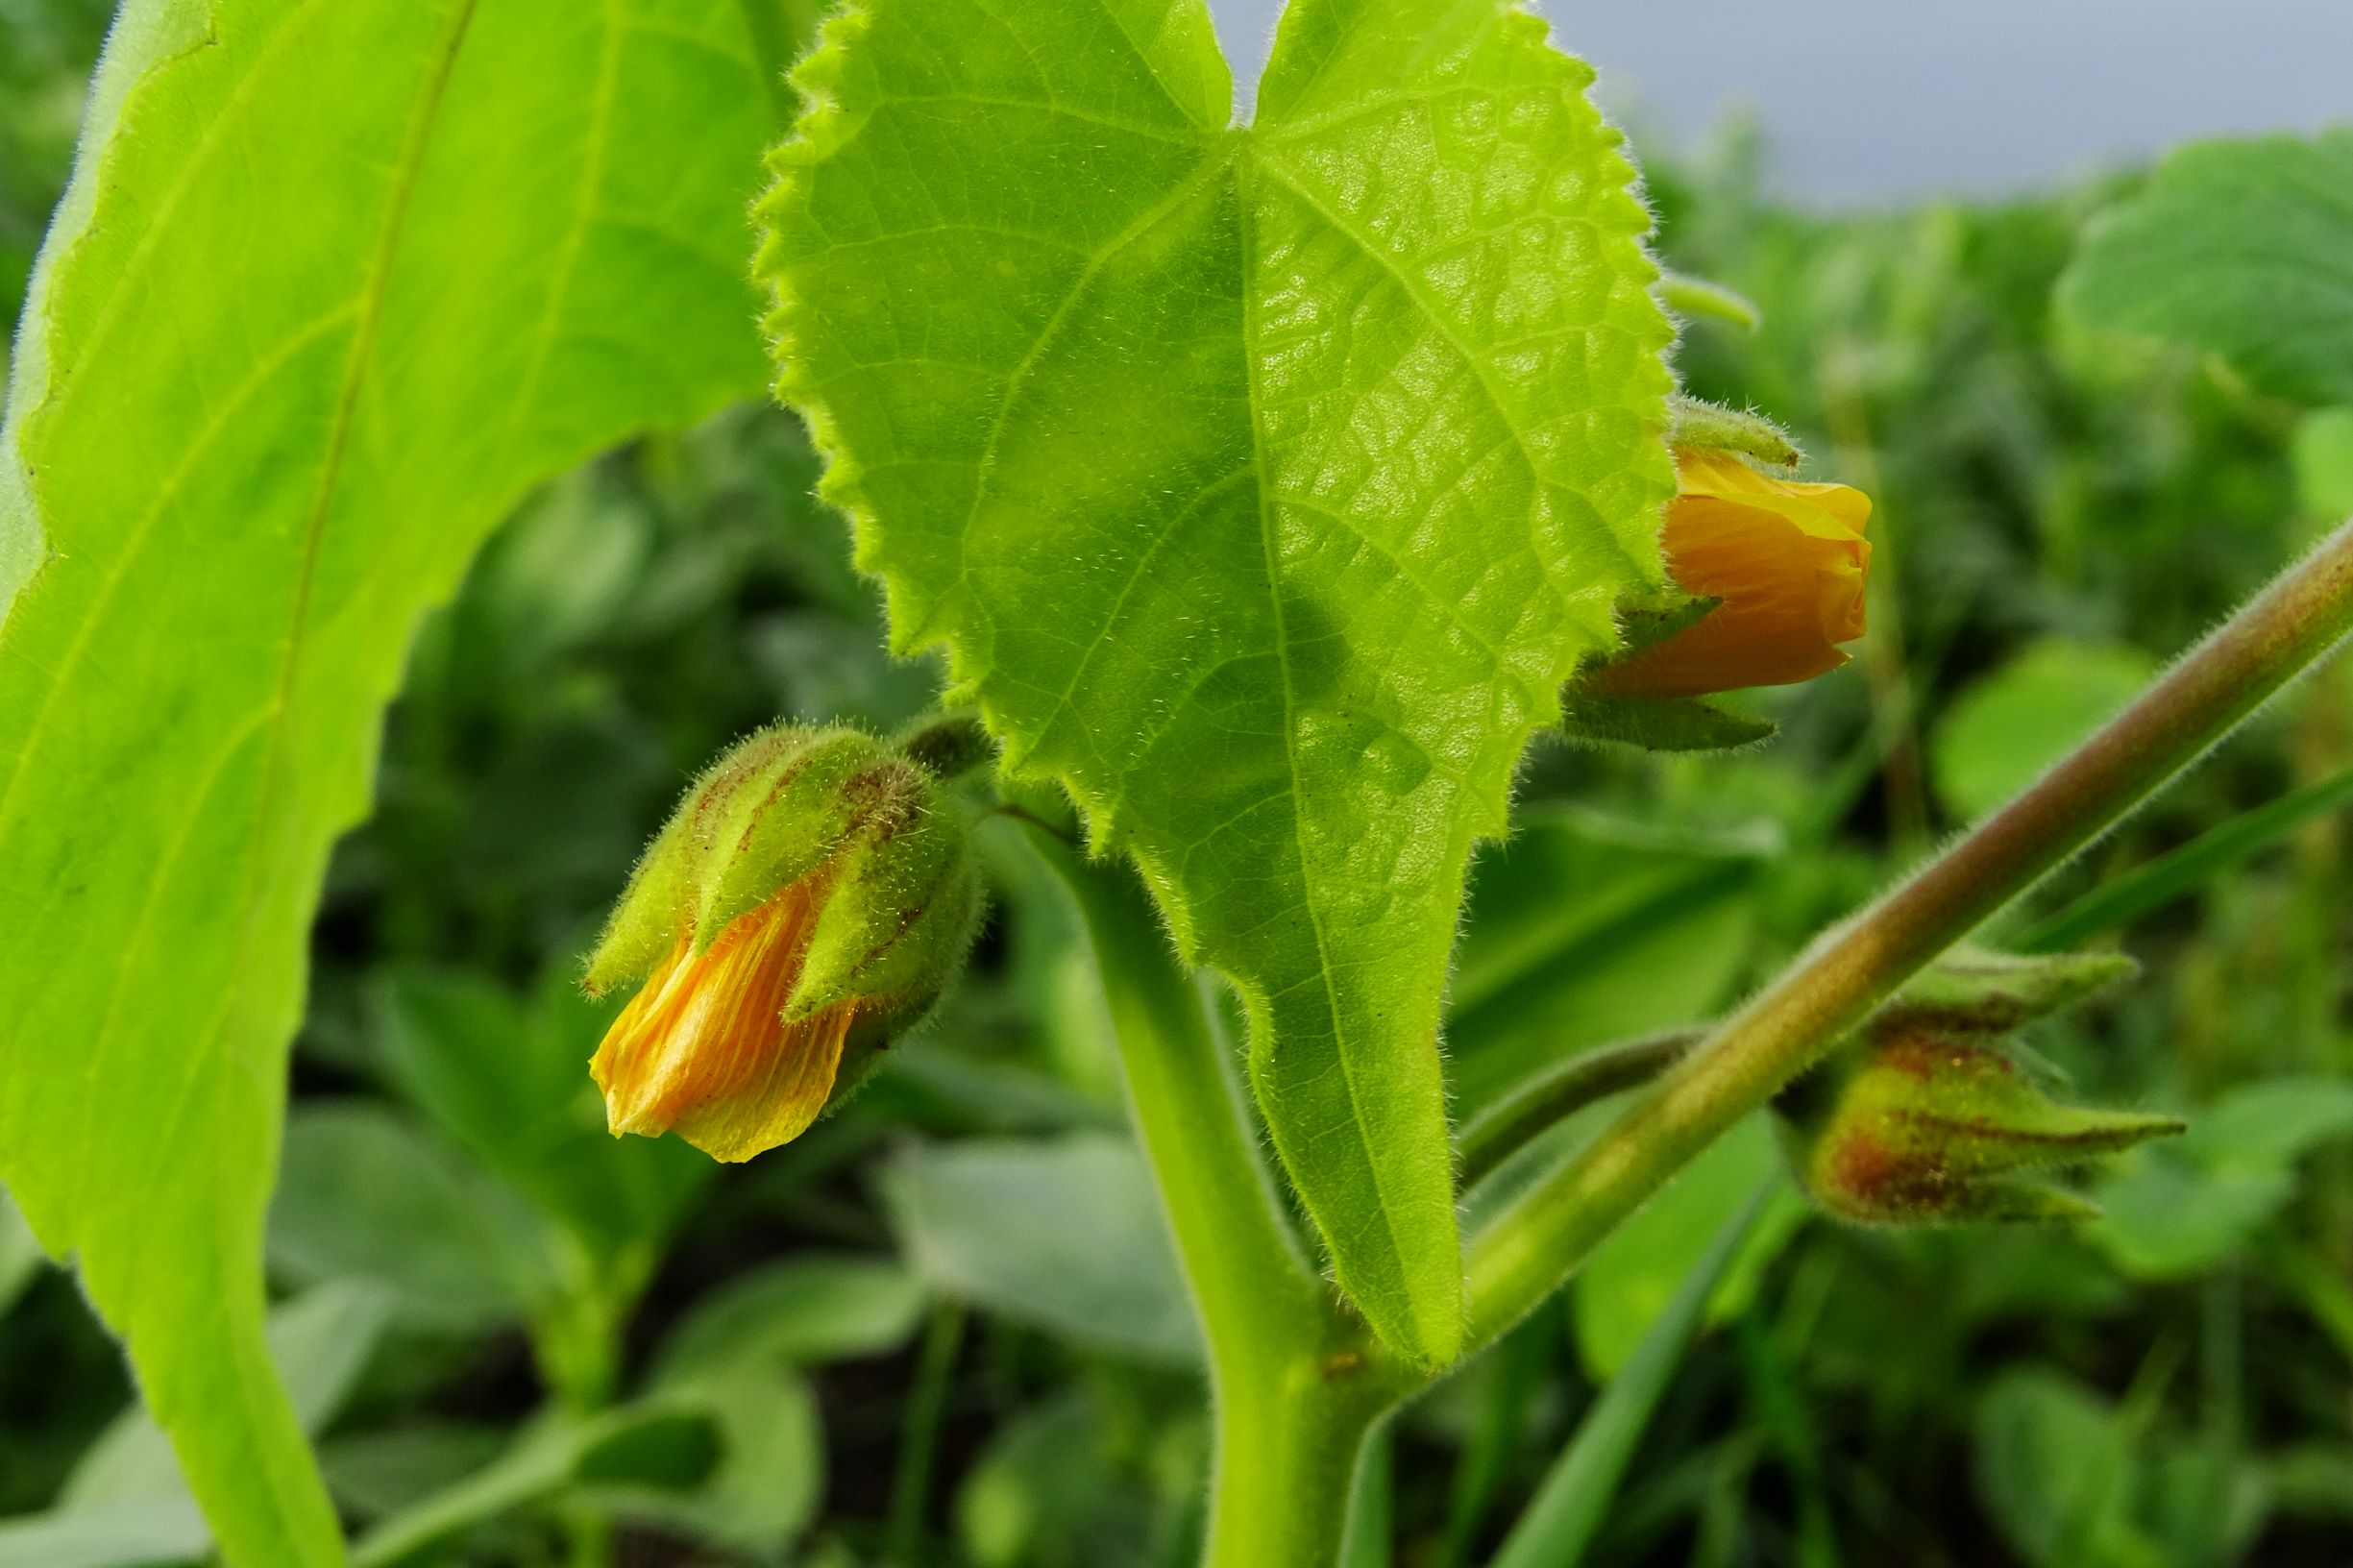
(1510, 1125)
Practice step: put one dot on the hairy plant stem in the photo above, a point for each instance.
(1535, 1243)
(1292, 1395)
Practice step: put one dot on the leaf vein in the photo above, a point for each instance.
(1308, 902)
(1144, 560)
(1428, 309)
(135, 539)
(576, 234)
(1190, 187)
(1108, 122)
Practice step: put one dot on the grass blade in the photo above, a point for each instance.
(1560, 1521)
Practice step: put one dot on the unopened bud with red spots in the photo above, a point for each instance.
(811, 899)
(1920, 1126)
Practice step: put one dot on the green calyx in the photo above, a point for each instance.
(883, 855)
(1696, 423)
(1694, 298)
(1652, 723)
(1928, 1120)
(1929, 1129)
(797, 801)
(1985, 992)
(897, 916)
(1591, 716)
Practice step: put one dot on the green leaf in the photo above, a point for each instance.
(1263, 483)
(2323, 458)
(362, 1195)
(2309, 1478)
(2205, 1502)
(2180, 1211)
(1065, 1235)
(508, 1084)
(2271, 1125)
(737, 1355)
(2006, 727)
(383, 1471)
(140, 1534)
(2056, 1469)
(1648, 723)
(1030, 1494)
(335, 285)
(940, 1088)
(2163, 1219)
(769, 1472)
(126, 1505)
(641, 1444)
(1704, 299)
(2243, 249)
(805, 1310)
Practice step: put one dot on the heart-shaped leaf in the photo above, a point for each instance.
(1264, 482)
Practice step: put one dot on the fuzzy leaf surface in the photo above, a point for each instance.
(335, 282)
(1264, 482)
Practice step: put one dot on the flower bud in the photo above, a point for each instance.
(1785, 564)
(810, 899)
(1920, 1127)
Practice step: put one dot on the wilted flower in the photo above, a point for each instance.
(1785, 563)
(812, 896)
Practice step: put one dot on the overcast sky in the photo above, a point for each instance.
(1868, 101)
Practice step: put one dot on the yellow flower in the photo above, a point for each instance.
(704, 1048)
(1786, 563)
(812, 896)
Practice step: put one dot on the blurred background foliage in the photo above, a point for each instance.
(946, 1327)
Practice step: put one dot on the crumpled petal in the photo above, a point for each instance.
(703, 1048)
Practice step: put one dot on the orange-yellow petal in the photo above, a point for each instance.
(703, 1050)
(1787, 563)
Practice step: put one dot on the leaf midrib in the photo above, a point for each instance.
(1309, 903)
(55, 401)
(280, 1505)
(367, 304)
(273, 719)
(584, 202)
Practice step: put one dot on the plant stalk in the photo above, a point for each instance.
(1292, 1395)
(1535, 1243)
(1501, 1131)
(919, 1440)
